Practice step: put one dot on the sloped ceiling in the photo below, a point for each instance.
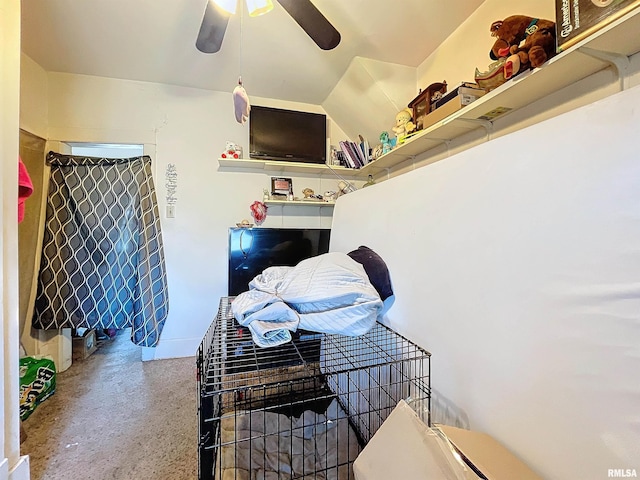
(368, 96)
(154, 41)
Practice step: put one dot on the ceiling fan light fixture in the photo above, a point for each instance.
(228, 6)
(259, 7)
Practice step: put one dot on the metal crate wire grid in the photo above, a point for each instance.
(300, 410)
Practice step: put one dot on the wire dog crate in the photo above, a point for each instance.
(302, 410)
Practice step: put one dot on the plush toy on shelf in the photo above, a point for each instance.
(386, 142)
(232, 150)
(404, 125)
(522, 42)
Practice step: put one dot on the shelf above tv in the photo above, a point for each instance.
(293, 167)
(299, 203)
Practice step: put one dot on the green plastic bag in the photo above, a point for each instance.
(37, 383)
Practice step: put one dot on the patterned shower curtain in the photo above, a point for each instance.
(102, 257)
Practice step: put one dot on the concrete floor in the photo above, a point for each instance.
(118, 418)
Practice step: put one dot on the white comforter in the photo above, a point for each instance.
(329, 293)
(264, 445)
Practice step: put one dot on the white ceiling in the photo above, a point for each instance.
(154, 41)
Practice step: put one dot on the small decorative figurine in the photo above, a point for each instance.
(404, 125)
(232, 150)
(387, 143)
(329, 195)
(377, 152)
(370, 181)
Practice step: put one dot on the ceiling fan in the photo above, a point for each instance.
(217, 14)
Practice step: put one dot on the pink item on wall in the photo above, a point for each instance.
(25, 188)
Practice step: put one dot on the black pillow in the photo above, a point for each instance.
(376, 269)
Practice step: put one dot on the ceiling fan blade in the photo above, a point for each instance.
(314, 23)
(214, 24)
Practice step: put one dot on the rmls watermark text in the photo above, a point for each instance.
(622, 473)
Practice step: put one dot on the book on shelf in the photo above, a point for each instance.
(350, 153)
(356, 154)
(364, 147)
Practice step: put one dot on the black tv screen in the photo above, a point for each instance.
(251, 250)
(287, 135)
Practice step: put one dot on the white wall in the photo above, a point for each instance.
(11, 464)
(368, 97)
(33, 97)
(519, 272)
(189, 128)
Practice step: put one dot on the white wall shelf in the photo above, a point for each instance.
(292, 167)
(610, 46)
(299, 203)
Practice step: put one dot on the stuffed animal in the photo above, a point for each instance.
(532, 39)
(522, 42)
(404, 125)
(386, 142)
(241, 104)
(232, 150)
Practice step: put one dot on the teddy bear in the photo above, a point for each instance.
(404, 125)
(232, 150)
(533, 40)
(522, 42)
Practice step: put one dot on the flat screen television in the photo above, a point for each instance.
(287, 135)
(251, 250)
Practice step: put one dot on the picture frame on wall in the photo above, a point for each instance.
(281, 186)
(577, 19)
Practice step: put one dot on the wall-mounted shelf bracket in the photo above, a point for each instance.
(447, 143)
(619, 62)
(486, 124)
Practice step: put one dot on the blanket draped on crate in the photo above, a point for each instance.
(269, 445)
(329, 293)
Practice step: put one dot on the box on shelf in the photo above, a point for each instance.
(577, 19)
(84, 344)
(467, 91)
(452, 102)
(405, 447)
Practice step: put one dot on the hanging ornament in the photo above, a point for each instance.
(241, 103)
(258, 212)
